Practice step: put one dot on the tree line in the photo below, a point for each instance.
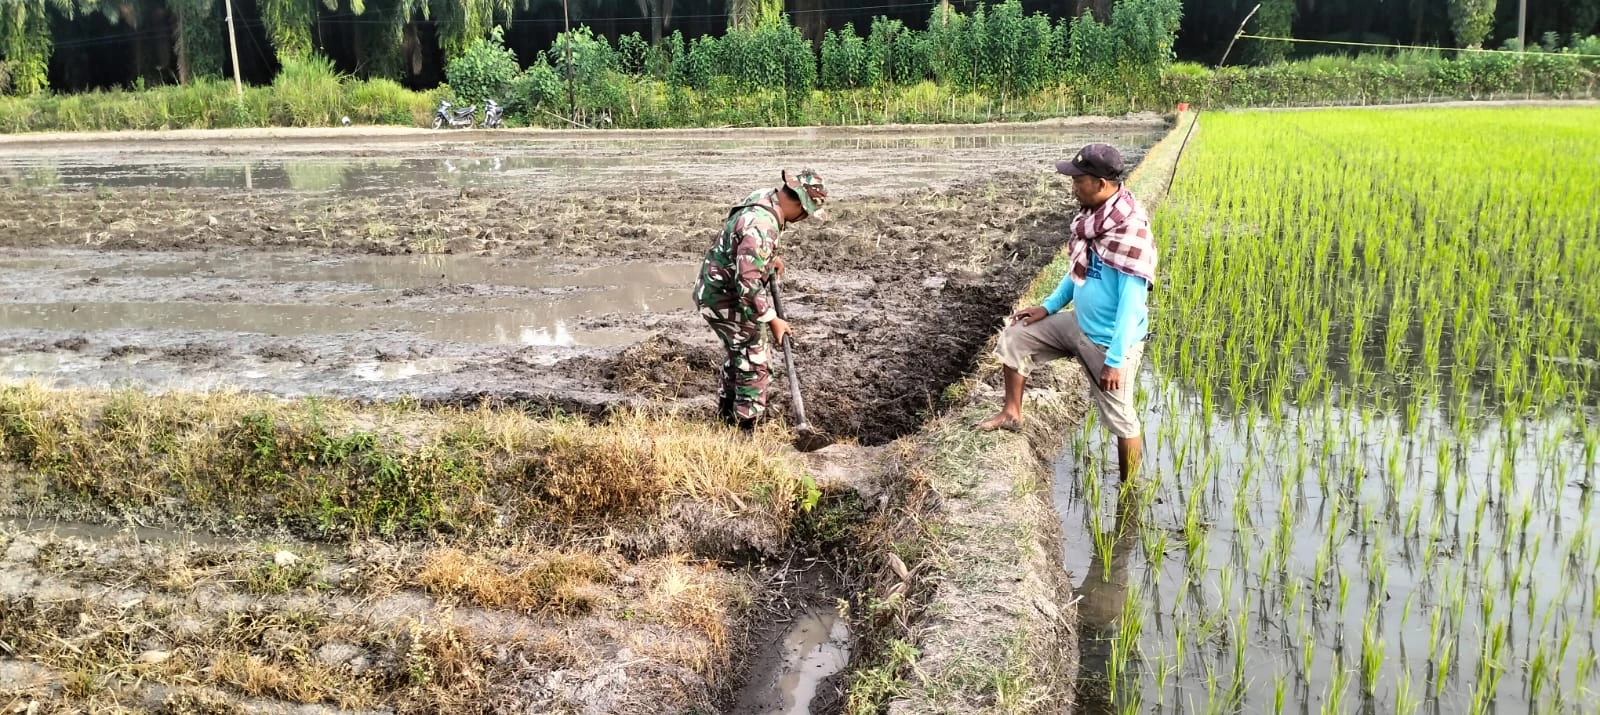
(71, 45)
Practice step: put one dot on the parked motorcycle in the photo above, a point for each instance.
(454, 118)
(493, 115)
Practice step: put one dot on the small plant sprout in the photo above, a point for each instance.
(1371, 652)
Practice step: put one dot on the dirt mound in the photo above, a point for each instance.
(664, 367)
(195, 353)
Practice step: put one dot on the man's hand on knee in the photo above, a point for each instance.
(1110, 379)
(1029, 316)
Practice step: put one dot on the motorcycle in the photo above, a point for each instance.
(493, 115)
(454, 118)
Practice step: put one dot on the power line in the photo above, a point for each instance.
(109, 39)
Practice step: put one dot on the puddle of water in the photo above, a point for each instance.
(391, 272)
(542, 319)
(374, 371)
(36, 362)
(1262, 561)
(542, 326)
(816, 647)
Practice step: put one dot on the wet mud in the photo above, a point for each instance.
(790, 673)
(559, 285)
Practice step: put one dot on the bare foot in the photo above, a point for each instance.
(1001, 421)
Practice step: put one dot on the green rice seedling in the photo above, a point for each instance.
(1344, 592)
(1377, 571)
(1533, 588)
(1538, 672)
(1490, 663)
(1126, 642)
(1584, 669)
(1241, 640)
(1404, 703)
(1193, 533)
(1398, 324)
(1443, 665)
(1372, 646)
(1178, 641)
(1104, 541)
(1216, 699)
(1591, 452)
(1338, 682)
(1154, 541)
(1308, 652)
(1161, 672)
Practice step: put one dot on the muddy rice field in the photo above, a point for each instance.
(551, 274)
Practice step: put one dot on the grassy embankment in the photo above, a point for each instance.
(554, 542)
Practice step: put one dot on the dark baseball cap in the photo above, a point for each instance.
(1101, 160)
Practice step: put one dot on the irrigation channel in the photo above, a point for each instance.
(1396, 522)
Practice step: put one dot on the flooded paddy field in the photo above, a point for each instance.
(1371, 428)
(336, 362)
(547, 285)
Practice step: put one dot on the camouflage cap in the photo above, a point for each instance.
(813, 194)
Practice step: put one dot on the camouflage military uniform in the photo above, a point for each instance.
(731, 293)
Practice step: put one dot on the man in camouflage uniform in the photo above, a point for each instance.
(732, 291)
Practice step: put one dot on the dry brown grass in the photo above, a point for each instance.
(673, 619)
(637, 462)
(560, 583)
(696, 597)
(444, 671)
(257, 676)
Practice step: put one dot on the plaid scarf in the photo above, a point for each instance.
(1118, 231)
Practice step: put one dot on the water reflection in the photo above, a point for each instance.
(447, 298)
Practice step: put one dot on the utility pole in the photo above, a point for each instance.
(572, 102)
(1522, 25)
(233, 45)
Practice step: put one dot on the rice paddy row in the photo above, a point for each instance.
(1373, 440)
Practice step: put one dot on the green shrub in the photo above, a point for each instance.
(307, 92)
(384, 101)
(693, 67)
(913, 58)
(538, 88)
(485, 71)
(844, 59)
(1589, 46)
(632, 54)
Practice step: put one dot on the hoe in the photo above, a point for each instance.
(807, 438)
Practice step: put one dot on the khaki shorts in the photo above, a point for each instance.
(1059, 336)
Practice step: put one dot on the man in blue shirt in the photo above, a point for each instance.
(1113, 268)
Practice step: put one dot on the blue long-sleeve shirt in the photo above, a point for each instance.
(1110, 306)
